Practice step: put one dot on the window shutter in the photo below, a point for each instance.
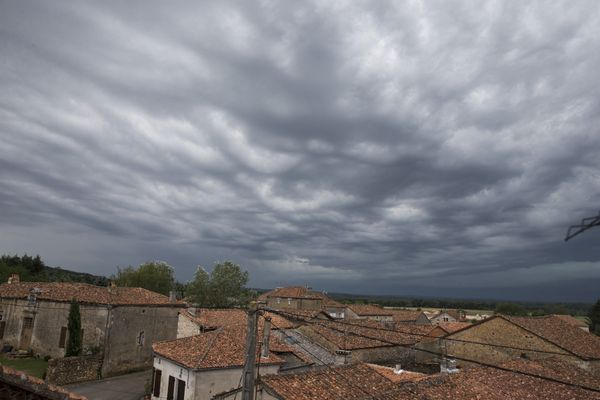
(157, 377)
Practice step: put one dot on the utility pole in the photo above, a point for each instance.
(264, 353)
(249, 374)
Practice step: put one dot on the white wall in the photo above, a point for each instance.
(169, 368)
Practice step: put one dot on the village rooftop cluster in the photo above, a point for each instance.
(310, 347)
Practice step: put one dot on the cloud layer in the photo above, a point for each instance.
(423, 147)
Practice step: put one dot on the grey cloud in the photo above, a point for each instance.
(390, 145)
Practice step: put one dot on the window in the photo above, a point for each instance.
(171, 388)
(180, 389)
(289, 301)
(157, 377)
(278, 300)
(27, 323)
(63, 337)
(2, 326)
(141, 338)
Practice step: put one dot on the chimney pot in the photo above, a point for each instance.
(14, 278)
(172, 296)
(398, 369)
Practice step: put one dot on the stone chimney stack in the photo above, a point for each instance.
(172, 296)
(14, 278)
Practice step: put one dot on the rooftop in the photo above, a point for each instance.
(493, 384)
(563, 334)
(221, 348)
(85, 293)
(405, 315)
(342, 382)
(370, 310)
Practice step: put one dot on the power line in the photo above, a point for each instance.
(469, 360)
(425, 335)
(322, 362)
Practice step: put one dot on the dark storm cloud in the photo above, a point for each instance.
(352, 146)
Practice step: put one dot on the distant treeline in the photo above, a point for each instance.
(33, 269)
(517, 307)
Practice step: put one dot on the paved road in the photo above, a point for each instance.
(124, 387)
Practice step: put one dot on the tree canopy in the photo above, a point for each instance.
(511, 309)
(157, 276)
(223, 287)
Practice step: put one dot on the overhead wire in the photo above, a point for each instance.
(493, 366)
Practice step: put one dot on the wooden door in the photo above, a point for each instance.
(26, 332)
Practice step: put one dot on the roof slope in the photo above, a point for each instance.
(370, 310)
(492, 384)
(85, 293)
(354, 335)
(221, 348)
(572, 320)
(342, 382)
(406, 315)
(562, 334)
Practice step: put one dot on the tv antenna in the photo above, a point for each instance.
(585, 224)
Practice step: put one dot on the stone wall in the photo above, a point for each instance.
(62, 371)
(498, 331)
(49, 318)
(132, 330)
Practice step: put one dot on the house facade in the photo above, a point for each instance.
(201, 366)
(448, 316)
(369, 311)
(118, 323)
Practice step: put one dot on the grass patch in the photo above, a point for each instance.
(31, 366)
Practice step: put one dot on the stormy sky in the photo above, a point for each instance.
(435, 148)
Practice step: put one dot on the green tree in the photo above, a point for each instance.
(594, 316)
(74, 329)
(157, 276)
(224, 287)
(511, 309)
(197, 290)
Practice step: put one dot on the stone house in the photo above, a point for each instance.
(448, 316)
(409, 317)
(302, 298)
(365, 340)
(119, 323)
(369, 311)
(200, 366)
(549, 335)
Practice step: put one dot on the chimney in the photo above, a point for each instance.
(172, 296)
(448, 366)
(14, 278)
(192, 311)
(398, 369)
(266, 333)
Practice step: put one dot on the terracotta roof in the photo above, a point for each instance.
(342, 382)
(35, 385)
(369, 310)
(221, 348)
(85, 293)
(406, 315)
(561, 333)
(366, 334)
(451, 327)
(212, 318)
(572, 320)
(392, 375)
(492, 384)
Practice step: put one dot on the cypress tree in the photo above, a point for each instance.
(594, 316)
(74, 328)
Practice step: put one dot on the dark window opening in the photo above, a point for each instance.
(180, 389)
(157, 377)
(2, 326)
(171, 388)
